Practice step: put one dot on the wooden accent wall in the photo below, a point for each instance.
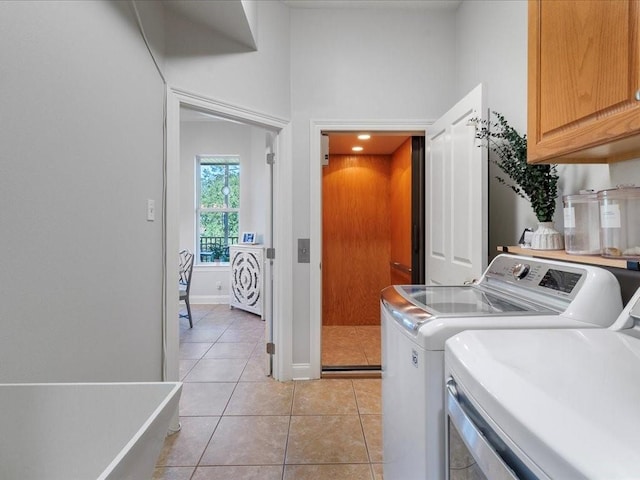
(400, 205)
(356, 238)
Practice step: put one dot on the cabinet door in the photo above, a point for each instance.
(583, 79)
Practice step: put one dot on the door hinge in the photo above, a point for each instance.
(271, 158)
(271, 348)
(271, 253)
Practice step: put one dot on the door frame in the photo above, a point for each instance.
(416, 127)
(282, 234)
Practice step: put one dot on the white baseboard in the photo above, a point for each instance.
(302, 371)
(208, 299)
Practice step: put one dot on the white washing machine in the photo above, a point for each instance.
(545, 404)
(514, 292)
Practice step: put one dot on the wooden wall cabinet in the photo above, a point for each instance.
(584, 81)
(247, 277)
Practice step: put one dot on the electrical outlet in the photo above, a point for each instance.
(218, 285)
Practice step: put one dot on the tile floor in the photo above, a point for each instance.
(350, 345)
(238, 424)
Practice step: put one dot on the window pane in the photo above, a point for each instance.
(218, 230)
(212, 182)
(219, 182)
(234, 186)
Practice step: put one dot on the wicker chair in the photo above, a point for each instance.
(184, 283)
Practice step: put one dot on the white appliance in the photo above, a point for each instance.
(546, 404)
(513, 292)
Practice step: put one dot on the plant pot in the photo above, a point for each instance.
(547, 238)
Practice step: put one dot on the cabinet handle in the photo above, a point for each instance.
(638, 95)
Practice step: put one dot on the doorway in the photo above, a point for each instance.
(278, 288)
(372, 237)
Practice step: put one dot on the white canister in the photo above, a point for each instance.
(582, 224)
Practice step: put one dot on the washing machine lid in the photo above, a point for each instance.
(567, 398)
(414, 305)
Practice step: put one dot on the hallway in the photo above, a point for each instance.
(238, 424)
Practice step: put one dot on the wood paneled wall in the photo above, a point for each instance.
(356, 238)
(400, 205)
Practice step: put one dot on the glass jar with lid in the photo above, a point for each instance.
(620, 222)
(582, 223)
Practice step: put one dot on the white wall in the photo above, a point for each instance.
(491, 47)
(200, 61)
(81, 151)
(359, 64)
(202, 138)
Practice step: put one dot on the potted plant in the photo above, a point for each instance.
(536, 183)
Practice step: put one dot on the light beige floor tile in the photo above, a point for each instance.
(368, 395)
(252, 336)
(248, 441)
(339, 341)
(326, 439)
(351, 345)
(343, 355)
(231, 350)
(262, 472)
(368, 331)
(173, 473)
(203, 334)
(183, 322)
(260, 350)
(255, 371)
(377, 471)
(205, 399)
(214, 320)
(190, 350)
(185, 367)
(324, 397)
(261, 398)
(185, 447)
(373, 354)
(216, 370)
(337, 472)
(248, 324)
(242, 316)
(338, 331)
(372, 426)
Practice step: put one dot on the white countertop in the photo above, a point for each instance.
(570, 399)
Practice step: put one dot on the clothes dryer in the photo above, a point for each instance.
(545, 404)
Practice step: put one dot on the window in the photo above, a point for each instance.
(218, 206)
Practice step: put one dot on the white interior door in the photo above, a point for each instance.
(456, 196)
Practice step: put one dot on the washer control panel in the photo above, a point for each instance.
(547, 278)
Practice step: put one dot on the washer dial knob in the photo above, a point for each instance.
(520, 271)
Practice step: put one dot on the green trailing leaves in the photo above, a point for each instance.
(508, 150)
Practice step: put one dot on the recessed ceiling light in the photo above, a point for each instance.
(364, 136)
(357, 149)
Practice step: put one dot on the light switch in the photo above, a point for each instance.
(304, 255)
(151, 210)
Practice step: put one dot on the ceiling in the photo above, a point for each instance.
(380, 143)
